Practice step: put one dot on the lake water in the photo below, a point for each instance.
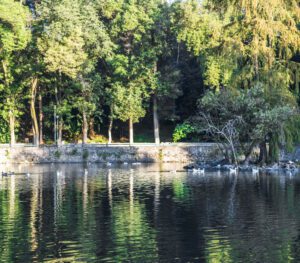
(93, 213)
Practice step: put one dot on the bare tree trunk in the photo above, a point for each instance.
(130, 131)
(60, 119)
(41, 117)
(155, 120)
(91, 128)
(84, 127)
(12, 128)
(35, 125)
(60, 131)
(110, 129)
(233, 153)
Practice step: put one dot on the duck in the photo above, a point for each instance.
(7, 173)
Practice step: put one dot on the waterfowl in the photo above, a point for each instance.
(233, 170)
(7, 173)
(199, 170)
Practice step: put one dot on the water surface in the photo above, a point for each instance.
(94, 213)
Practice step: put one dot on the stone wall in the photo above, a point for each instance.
(182, 153)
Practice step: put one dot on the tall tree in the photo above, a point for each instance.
(132, 69)
(14, 37)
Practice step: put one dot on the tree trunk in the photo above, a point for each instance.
(249, 152)
(130, 131)
(256, 67)
(12, 128)
(155, 120)
(110, 129)
(41, 117)
(263, 154)
(297, 82)
(84, 128)
(91, 128)
(60, 119)
(60, 131)
(35, 128)
(234, 157)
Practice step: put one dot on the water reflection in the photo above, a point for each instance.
(66, 213)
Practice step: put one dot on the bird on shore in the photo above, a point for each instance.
(108, 164)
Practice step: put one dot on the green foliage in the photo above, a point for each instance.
(98, 139)
(85, 154)
(242, 118)
(101, 60)
(4, 131)
(14, 34)
(242, 41)
(57, 154)
(182, 131)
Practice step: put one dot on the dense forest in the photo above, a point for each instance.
(151, 71)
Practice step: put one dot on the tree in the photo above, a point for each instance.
(131, 65)
(239, 120)
(72, 42)
(14, 37)
(243, 43)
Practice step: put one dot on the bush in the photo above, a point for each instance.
(182, 131)
(98, 139)
(85, 154)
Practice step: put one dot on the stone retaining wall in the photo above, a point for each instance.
(182, 153)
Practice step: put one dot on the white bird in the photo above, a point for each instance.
(255, 170)
(219, 166)
(198, 171)
(233, 170)
(137, 163)
(108, 164)
(125, 163)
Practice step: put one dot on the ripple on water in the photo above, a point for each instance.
(77, 213)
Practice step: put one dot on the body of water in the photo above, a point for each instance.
(147, 213)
